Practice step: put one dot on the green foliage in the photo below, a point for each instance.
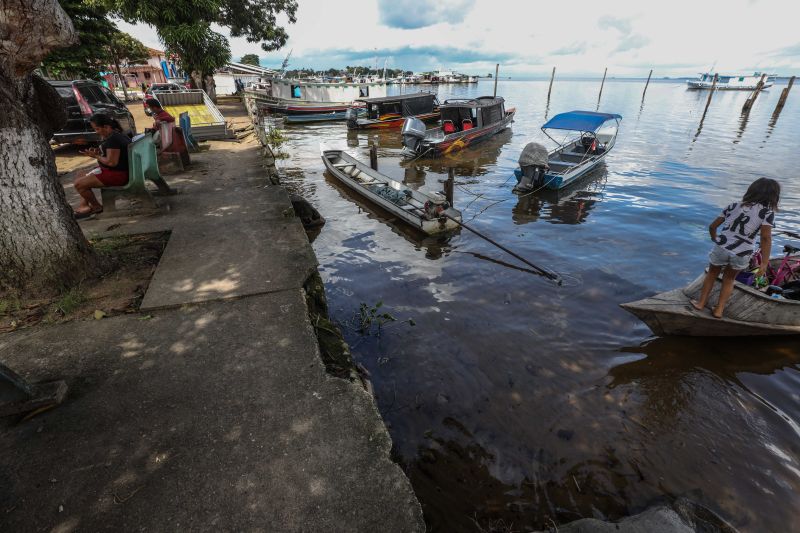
(369, 316)
(101, 43)
(70, 300)
(127, 49)
(109, 245)
(87, 58)
(9, 305)
(184, 26)
(250, 59)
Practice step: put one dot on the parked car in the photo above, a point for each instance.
(160, 88)
(84, 98)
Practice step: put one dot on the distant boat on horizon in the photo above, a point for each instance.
(731, 82)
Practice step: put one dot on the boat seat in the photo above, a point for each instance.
(466, 124)
(563, 163)
(448, 127)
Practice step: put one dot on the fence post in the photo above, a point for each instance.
(784, 95)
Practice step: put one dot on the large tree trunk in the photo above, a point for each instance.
(42, 249)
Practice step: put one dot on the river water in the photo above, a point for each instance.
(516, 403)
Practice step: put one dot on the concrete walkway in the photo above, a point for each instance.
(212, 410)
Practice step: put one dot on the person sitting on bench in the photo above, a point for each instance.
(112, 158)
(159, 114)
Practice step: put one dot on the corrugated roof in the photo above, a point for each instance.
(396, 98)
(481, 101)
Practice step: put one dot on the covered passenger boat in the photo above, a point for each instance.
(310, 100)
(429, 213)
(731, 82)
(749, 312)
(464, 123)
(391, 111)
(586, 138)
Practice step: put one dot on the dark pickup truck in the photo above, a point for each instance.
(84, 98)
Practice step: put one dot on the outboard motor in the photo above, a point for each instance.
(351, 115)
(533, 165)
(413, 133)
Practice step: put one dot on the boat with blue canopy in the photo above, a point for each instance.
(586, 137)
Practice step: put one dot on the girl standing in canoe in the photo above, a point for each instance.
(741, 222)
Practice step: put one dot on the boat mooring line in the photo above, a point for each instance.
(544, 272)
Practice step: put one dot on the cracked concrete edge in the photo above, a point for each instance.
(380, 434)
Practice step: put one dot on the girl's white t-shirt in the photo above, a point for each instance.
(742, 224)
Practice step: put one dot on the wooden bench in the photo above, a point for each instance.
(142, 165)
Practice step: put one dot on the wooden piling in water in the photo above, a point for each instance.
(496, 71)
(602, 83)
(710, 94)
(550, 89)
(449, 185)
(646, 84)
(748, 104)
(373, 156)
(784, 95)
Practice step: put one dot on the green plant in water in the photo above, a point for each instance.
(369, 316)
(69, 301)
(275, 137)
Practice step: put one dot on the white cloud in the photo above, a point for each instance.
(679, 37)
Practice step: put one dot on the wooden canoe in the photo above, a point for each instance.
(749, 312)
(406, 203)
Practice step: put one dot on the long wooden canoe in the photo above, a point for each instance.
(404, 202)
(749, 312)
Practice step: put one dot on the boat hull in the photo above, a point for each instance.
(694, 84)
(748, 313)
(457, 141)
(315, 117)
(430, 227)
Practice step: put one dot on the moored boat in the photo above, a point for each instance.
(429, 213)
(749, 312)
(464, 123)
(588, 139)
(731, 82)
(391, 111)
(323, 100)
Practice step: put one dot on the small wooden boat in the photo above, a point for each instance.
(749, 312)
(392, 111)
(590, 137)
(426, 212)
(464, 123)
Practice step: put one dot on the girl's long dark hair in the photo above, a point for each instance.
(101, 119)
(763, 191)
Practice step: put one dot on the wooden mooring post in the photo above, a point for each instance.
(550, 89)
(646, 84)
(784, 95)
(710, 94)
(602, 83)
(496, 71)
(449, 185)
(748, 104)
(373, 156)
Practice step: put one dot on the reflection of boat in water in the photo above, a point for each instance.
(472, 160)
(589, 138)
(749, 312)
(725, 357)
(570, 205)
(426, 212)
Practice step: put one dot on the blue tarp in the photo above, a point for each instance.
(580, 121)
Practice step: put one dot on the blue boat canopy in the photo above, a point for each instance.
(580, 121)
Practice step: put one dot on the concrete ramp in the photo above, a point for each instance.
(207, 121)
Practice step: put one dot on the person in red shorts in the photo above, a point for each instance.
(112, 158)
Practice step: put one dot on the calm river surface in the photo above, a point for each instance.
(513, 399)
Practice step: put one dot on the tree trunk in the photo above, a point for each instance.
(119, 74)
(42, 249)
(210, 87)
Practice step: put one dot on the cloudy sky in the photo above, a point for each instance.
(528, 38)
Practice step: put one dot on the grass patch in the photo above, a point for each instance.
(69, 301)
(109, 245)
(9, 305)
